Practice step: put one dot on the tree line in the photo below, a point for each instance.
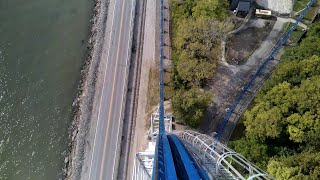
(197, 28)
(282, 129)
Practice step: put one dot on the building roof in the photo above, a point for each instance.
(244, 6)
(233, 4)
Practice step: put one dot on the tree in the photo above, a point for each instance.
(304, 123)
(266, 118)
(296, 167)
(197, 48)
(197, 28)
(286, 110)
(285, 115)
(314, 31)
(253, 150)
(308, 47)
(194, 70)
(181, 9)
(293, 73)
(216, 9)
(190, 105)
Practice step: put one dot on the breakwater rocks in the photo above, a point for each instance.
(83, 103)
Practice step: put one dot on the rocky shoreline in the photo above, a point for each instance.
(83, 103)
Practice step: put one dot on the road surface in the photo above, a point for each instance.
(107, 138)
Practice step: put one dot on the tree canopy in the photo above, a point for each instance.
(197, 29)
(283, 124)
(190, 105)
(305, 165)
(287, 110)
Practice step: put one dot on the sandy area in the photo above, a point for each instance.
(148, 60)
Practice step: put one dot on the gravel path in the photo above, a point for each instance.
(148, 60)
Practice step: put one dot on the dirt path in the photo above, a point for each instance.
(229, 80)
(148, 60)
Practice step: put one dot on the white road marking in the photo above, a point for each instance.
(104, 78)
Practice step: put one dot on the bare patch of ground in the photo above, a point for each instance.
(237, 21)
(139, 140)
(242, 44)
(231, 78)
(152, 95)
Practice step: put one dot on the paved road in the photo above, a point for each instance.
(107, 138)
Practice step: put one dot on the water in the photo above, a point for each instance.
(41, 52)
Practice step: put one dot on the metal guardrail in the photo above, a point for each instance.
(142, 167)
(271, 56)
(227, 163)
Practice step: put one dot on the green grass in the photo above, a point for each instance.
(300, 4)
(296, 34)
(168, 90)
(153, 91)
(311, 13)
(309, 17)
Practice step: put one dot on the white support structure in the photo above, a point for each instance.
(220, 161)
(143, 163)
(154, 125)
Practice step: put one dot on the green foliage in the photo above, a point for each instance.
(253, 150)
(197, 29)
(265, 119)
(304, 123)
(183, 9)
(287, 110)
(314, 30)
(191, 105)
(299, 166)
(293, 73)
(193, 70)
(283, 125)
(309, 46)
(216, 9)
(300, 4)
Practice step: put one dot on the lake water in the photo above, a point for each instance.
(42, 49)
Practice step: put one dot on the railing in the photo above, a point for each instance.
(143, 165)
(228, 164)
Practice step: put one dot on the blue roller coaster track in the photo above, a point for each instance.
(258, 72)
(172, 159)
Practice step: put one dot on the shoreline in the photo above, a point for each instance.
(82, 105)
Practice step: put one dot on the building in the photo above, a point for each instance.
(243, 8)
(279, 6)
(283, 7)
(235, 3)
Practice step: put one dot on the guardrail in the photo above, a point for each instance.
(227, 162)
